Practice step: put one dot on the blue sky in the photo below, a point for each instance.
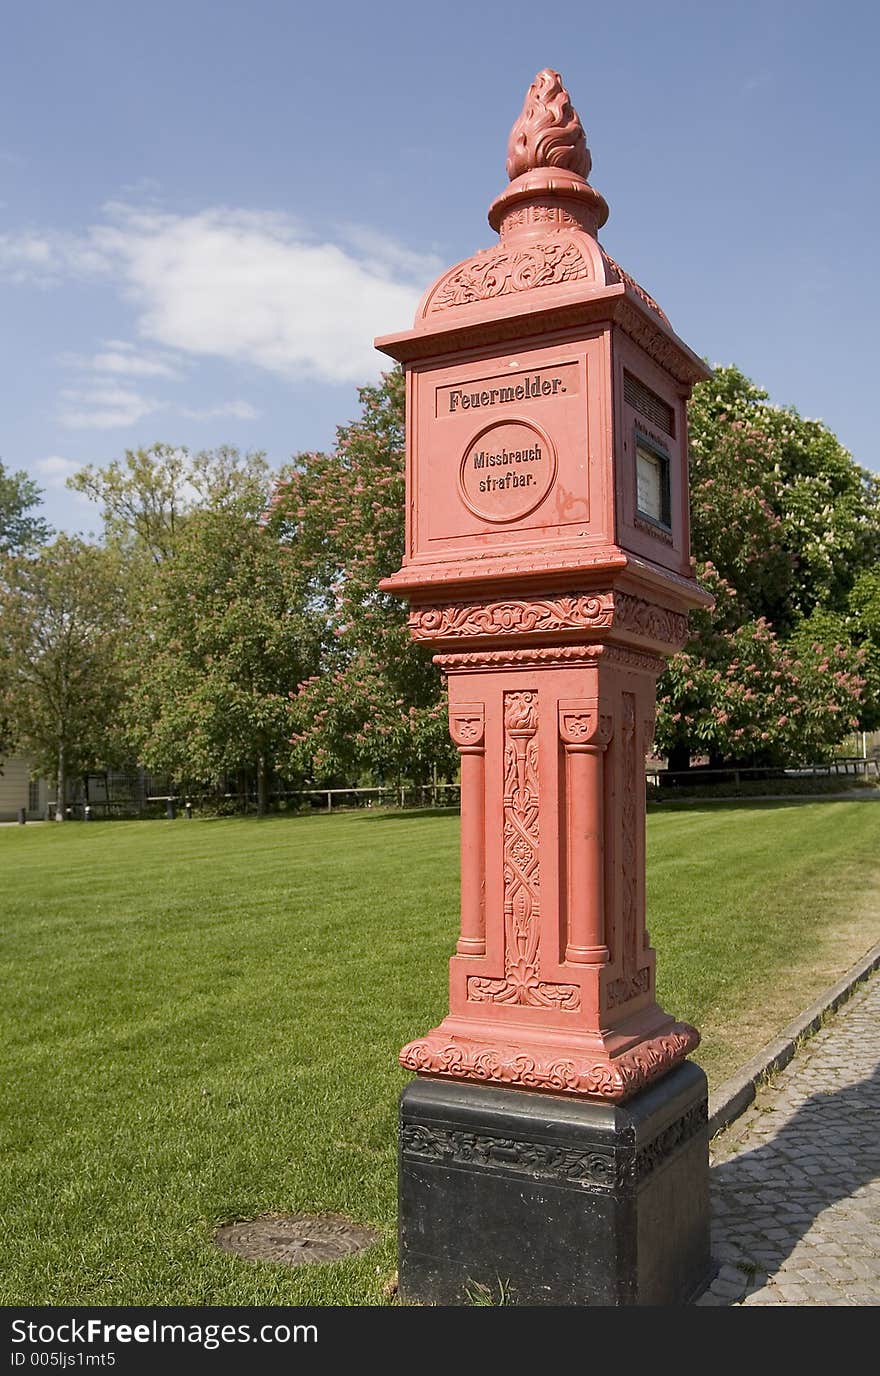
(207, 210)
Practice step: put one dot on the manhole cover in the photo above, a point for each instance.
(295, 1239)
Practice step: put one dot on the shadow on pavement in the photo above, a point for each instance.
(765, 1200)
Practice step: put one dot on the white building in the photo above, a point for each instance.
(18, 790)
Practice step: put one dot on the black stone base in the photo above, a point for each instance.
(536, 1199)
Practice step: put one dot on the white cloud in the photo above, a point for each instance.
(130, 364)
(100, 400)
(46, 258)
(237, 410)
(118, 358)
(250, 287)
(55, 470)
(25, 257)
(104, 408)
(387, 258)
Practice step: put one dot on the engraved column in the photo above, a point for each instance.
(585, 734)
(467, 728)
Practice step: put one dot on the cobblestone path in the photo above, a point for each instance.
(796, 1180)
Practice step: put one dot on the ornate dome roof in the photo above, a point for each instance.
(548, 217)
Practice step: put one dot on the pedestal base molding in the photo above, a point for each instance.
(609, 1079)
(554, 1201)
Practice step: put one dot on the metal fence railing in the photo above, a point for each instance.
(326, 799)
(853, 766)
(444, 795)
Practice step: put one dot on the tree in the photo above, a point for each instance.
(62, 633)
(377, 706)
(739, 692)
(221, 638)
(784, 525)
(19, 529)
(223, 641)
(147, 497)
(863, 622)
(770, 488)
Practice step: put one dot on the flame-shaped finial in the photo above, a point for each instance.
(548, 163)
(548, 133)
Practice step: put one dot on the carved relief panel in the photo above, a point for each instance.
(521, 982)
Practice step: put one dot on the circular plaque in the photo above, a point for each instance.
(507, 470)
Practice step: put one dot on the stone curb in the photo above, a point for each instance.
(734, 1096)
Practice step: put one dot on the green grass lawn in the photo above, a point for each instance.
(201, 1019)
